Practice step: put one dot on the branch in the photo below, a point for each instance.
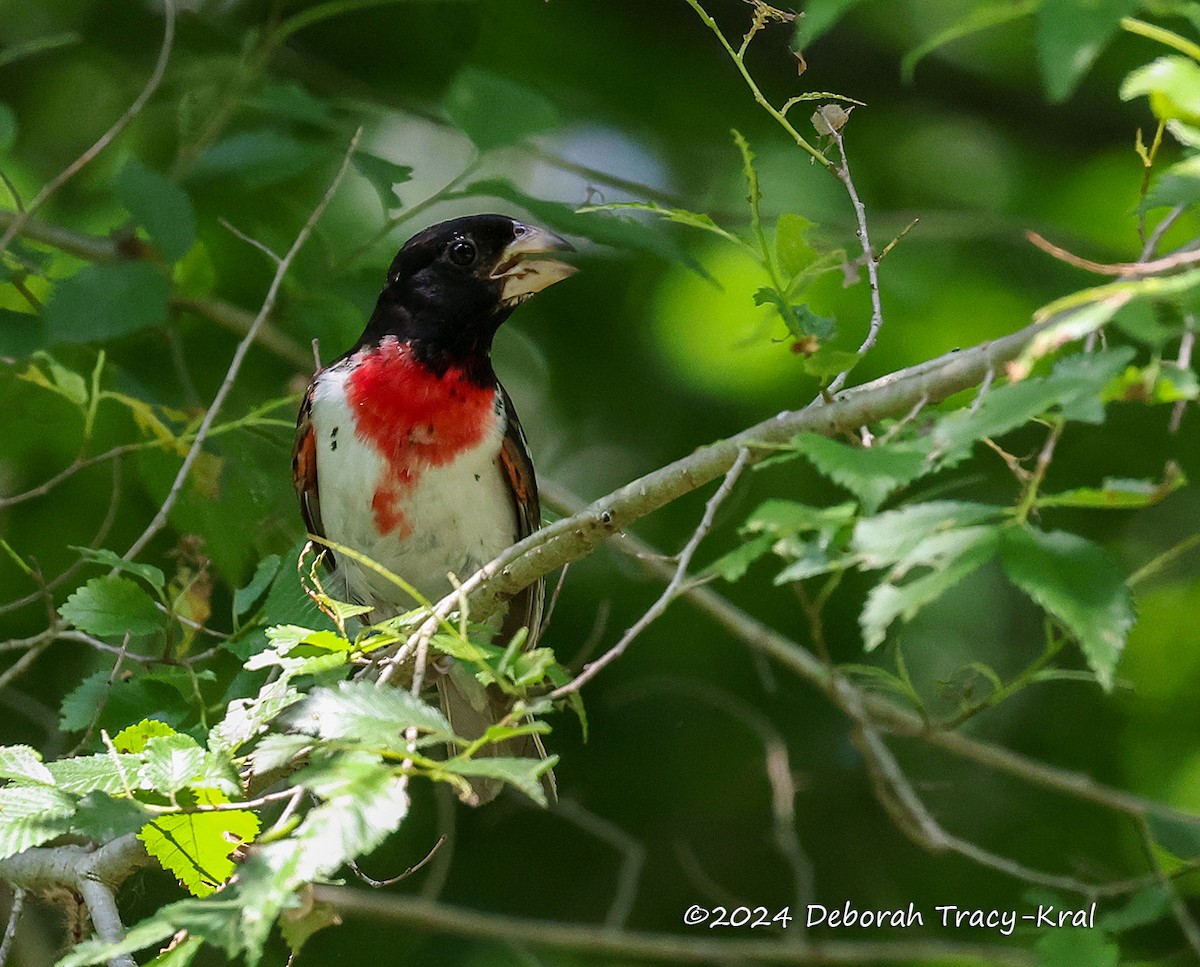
(576, 536)
(95, 874)
(134, 109)
(629, 946)
(160, 518)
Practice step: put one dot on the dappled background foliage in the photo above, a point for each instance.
(131, 281)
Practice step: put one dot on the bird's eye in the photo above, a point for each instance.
(461, 252)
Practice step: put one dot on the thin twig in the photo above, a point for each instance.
(10, 930)
(1176, 260)
(243, 347)
(134, 109)
(633, 857)
(674, 587)
(869, 261)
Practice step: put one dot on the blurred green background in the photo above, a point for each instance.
(637, 360)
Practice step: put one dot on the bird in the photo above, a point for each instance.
(409, 449)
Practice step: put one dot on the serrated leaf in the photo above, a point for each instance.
(155, 929)
(1078, 583)
(883, 539)
(103, 818)
(160, 206)
(956, 554)
(134, 738)
(147, 572)
(179, 955)
(1004, 408)
(101, 302)
(376, 717)
(245, 598)
(1173, 85)
(494, 111)
(79, 707)
(872, 474)
(246, 718)
(276, 751)
(1069, 35)
(197, 847)
(1116, 494)
(523, 773)
(95, 773)
(385, 177)
(1177, 184)
(171, 763)
(112, 606)
(24, 763)
(32, 815)
(680, 216)
(828, 360)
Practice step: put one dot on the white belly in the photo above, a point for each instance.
(452, 523)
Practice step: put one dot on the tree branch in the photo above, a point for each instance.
(628, 946)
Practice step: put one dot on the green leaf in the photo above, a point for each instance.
(180, 955)
(979, 19)
(155, 929)
(24, 763)
(246, 718)
(1070, 35)
(385, 176)
(32, 815)
(734, 565)
(293, 102)
(135, 738)
(1173, 85)
(829, 361)
(79, 707)
(22, 334)
(38, 45)
(160, 206)
(952, 555)
(495, 111)
(376, 717)
(101, 302)
(792, 250)
(1177, 184)
(680, 216)
(1004, 408)
(1178, 836)
(111, 606)
(171, 763)
(870, 473)
(245, 598)
(524, 773)
(197, 847)
(819, 16)
(102, 818)
(1116, 494)
(1071, 948)
(256, 159)
(47, 372)
(147, 572)
(1076, 582)
(884, 539)
(1151, 903)
(95, 773)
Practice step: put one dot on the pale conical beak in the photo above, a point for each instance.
(522, 269)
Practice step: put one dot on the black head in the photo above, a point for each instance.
(451, 286)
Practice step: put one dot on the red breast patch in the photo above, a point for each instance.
(414, 418)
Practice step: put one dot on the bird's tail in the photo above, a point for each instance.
(472, 709)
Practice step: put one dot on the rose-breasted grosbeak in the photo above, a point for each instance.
(408, 448)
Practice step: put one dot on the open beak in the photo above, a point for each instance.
(522, 269)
